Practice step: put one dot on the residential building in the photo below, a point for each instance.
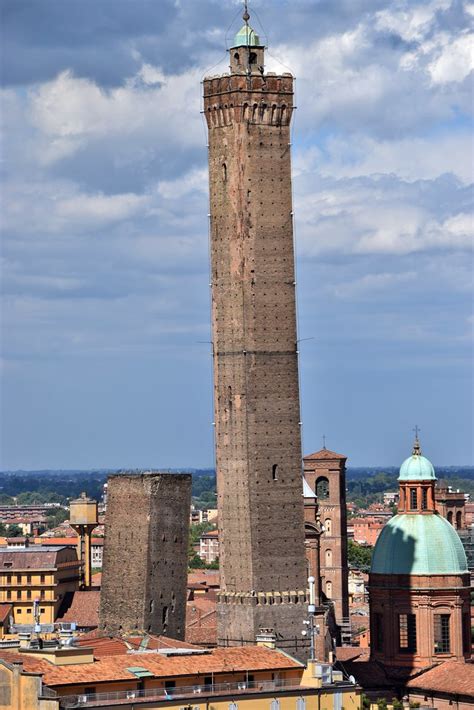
(209, 546)
(367, 530)
(37, 574)
(152, 672)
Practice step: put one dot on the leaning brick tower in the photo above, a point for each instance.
(256, 393)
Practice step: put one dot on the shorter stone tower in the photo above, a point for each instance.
(145, 563)
(419, 581)
(325, 473)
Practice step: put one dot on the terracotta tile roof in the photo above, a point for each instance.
(81, 607)
(5, 610)
(200, 605)
(116, 646)
(115, 668)
(35, 557)
(201, 621)
(65, 541)
(209, 577)
(325, 454)
(449, 677)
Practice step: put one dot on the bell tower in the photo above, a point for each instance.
(256, 394)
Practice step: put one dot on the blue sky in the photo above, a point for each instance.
(105, 310)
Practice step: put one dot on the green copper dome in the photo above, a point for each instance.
(246, 37)
(417, 467)
(418, 544)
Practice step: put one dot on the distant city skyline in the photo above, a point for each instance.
(105, 318)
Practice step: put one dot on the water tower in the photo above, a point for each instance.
(83, 518)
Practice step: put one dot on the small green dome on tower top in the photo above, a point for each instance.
(246, 37)
(417, 467)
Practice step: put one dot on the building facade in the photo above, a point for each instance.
(419, 583)
(144, 571)
(42, 575)
(325, 473)
(256, 393)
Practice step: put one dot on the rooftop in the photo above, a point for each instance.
(117, 667)
(325, 454)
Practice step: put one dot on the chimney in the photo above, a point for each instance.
(266, 637)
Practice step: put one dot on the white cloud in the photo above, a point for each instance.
(455, 60)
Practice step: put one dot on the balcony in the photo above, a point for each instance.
(196, 693)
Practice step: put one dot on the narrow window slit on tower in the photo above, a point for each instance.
(224, 172)
(274, 471)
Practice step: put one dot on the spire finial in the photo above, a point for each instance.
(324, 441)
(416, 445)
(246, 16)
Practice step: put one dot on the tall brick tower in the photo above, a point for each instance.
(257, 411)
(325, 473)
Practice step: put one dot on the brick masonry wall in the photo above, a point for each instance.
(257, 413)
(145, 561)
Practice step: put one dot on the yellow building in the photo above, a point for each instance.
(42, 574)
(111, 674)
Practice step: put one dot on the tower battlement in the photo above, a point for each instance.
(248, 98)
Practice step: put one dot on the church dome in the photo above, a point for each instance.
(418, 544)
(246, 37)
(417, 467)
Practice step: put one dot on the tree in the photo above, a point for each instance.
(359, 556)
(14, 531)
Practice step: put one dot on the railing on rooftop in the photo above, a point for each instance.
(191, 691)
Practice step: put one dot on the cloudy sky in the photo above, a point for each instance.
(105, 322)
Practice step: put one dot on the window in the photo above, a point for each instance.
(378, 632)
(18, 594)
(275, 705)
(407, 633)
(328, 526)
(9, 594)
(28, 593)
(322, 488)
(328, 557)
(42, 594)
(329, 590)
(90, 690)
(42, 579)
(18, 579)
(169, 684)
(442, 643)
(233, 706)
(300, 704)
(424, 499)
(42, 610)
(274, 471)
(466, 633)
(459, 520)
(450, 517)
(28, 578)
(8, 579)
(28, 611)
(413, 499)
(252, 58)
